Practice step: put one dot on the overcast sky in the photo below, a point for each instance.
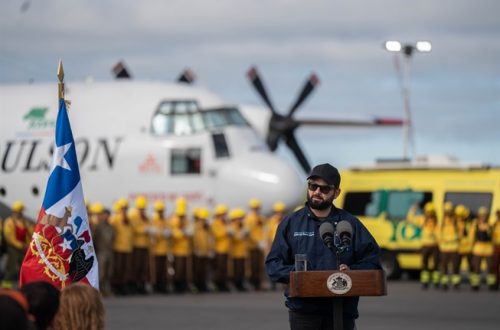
(455, 89)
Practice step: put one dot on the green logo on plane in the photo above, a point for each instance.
(36, 118)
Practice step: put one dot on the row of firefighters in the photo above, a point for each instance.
(136, 250)
(458, 240)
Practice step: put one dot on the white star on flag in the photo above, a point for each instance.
(59, 160)
(65, 245)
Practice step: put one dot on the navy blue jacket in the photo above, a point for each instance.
(299, 233)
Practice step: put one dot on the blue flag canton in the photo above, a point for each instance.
(63, 178)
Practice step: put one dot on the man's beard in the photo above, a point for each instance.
(323, 205)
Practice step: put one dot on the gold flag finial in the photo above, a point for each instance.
(60, 76)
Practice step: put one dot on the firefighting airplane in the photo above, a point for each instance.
(161, 140)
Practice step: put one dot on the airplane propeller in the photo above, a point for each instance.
(280, 126)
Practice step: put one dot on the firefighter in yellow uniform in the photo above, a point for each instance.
(221, 234)
(430, 250)
(239, 247)
(495, 265)
(482, 249)
(140, 254)
(181, 205)
(122, 248)
(448, 249)
(464, 240)
(254, 223)
(17, 232)
(160, 246)
(182, 233)
(202, 243)
(279, 209)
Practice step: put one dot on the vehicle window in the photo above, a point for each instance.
(472, 200)
(185, 161)
(400, 201)
(366, 204)
(220, 145)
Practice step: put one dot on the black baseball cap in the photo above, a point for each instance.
(326, 172)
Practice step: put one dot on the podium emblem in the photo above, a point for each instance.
(339, 283)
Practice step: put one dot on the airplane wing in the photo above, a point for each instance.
(351, 122)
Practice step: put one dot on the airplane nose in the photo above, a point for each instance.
(260, 175)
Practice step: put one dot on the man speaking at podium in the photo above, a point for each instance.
(299, 233)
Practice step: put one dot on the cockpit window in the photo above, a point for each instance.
(176, 117)
(185, 117)
(215, 118)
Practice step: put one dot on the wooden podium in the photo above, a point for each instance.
(337, 284)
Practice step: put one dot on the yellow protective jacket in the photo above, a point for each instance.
(159, 242)
(239, 242)
(181, 243)
(17, 232)
(272, 227)
(429, 234)
(222, 240)
(496, 233)
(257, 237)
(202, 239)
(449, 239)
(252, 219)
(140, 228)
(464, 240)
(123, 237)
(481, 235)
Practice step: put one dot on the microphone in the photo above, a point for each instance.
(344, 231)
(326, 233)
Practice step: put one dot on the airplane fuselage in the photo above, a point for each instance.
(140, 138)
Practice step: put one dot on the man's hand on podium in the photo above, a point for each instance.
(343, 267)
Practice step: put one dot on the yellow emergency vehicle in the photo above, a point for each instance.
(381, 196)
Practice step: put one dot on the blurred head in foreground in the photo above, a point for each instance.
(80, 308)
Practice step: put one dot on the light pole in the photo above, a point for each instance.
(404, 79)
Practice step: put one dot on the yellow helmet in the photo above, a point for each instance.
(254, 203)
(17, 206)
(97, 208)
(279, 207)
(236, 214)
(220, 209)
(141, 202)
(466, 213)
(483, 210)
(180, 210)
(448, 206)
(460, 210)
(203, 213)
(122, 203)
(181, 202)
(159, 205)
(429, 207)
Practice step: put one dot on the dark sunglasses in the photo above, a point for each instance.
(324, 189)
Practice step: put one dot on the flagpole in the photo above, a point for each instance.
(60, 76)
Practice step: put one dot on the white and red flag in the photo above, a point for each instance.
(61, 249)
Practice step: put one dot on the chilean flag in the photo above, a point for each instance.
(61, 249)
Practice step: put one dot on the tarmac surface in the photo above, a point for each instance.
(406, 306)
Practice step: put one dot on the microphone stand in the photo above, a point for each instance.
(338, 302)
